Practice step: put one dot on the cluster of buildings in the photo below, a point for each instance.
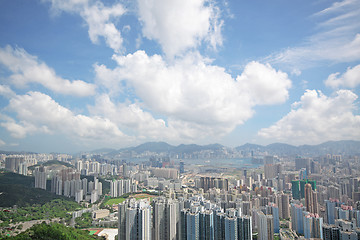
(67, 182)
(300, 199)
(194, 218)
(121, 187)
(286, 197)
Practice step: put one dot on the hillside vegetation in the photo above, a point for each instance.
(53, 231)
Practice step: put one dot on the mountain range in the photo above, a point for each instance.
(347, 147)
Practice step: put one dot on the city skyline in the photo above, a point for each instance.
(81, 75)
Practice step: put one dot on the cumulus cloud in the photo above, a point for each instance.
(99, 18)
(130, 117)
(350, 79)
(194, 95)
(317, 118)
(6, 91)
(337, 38)
(37, 112)
(26, 68)
(179, 25)
(262, 81)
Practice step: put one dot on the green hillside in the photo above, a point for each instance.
(16, 189)
(53, 231)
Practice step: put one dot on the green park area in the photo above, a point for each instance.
(118, 200)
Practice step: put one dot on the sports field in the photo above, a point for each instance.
(120, 199)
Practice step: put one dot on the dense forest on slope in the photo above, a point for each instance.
(53, 231)
(16, 189)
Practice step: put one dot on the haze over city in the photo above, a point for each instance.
(82, 74)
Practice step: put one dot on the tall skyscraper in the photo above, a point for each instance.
(40, 177)
(302, 186)
(330, 210)
(313, 226)
(309, 198)
(166, 219)
(273, 210)
(297, 220)
(192, 225)
(207, 225)
(295, 188)
(136, 217)
(231, 228)
(182, 167)
(330, 232)
(244, 228)
(12, 163)
(265, 228)
(285, 206)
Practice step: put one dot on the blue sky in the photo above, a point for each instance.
(86, 74)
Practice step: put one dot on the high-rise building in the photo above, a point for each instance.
(295, 188)
(313, 226)
(122, 186)
(182, 167)
(265, 228)
(231, 228)
(330, 232)
(166, 219)
(23, 168)
(12, 163)
(273, 210)
(330, 210)
(192, 225)
(134, 220)
(285, 205)
(244, 228)
(40, 177)
(219, 225)
(303, 174)
(302, 186)
(211, 182)
(207, 225)
(297, 220)
(79, 195)
(302, 163)
(309, 198)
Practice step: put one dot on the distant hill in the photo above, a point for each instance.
(103, 151)
(349, 147)
(332, 147)
(163, 147)
(153, 147)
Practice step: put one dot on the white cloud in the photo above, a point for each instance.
(262, 81)
(179, 25)
(6, 91)
(337, 38)
(26, 69)
(37, 112)
(350, 79)
(317, 118)
(2, 143)
(144, 127)
(99, 18)
(130, 117)
(196, 97)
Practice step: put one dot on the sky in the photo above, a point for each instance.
(79, 75)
